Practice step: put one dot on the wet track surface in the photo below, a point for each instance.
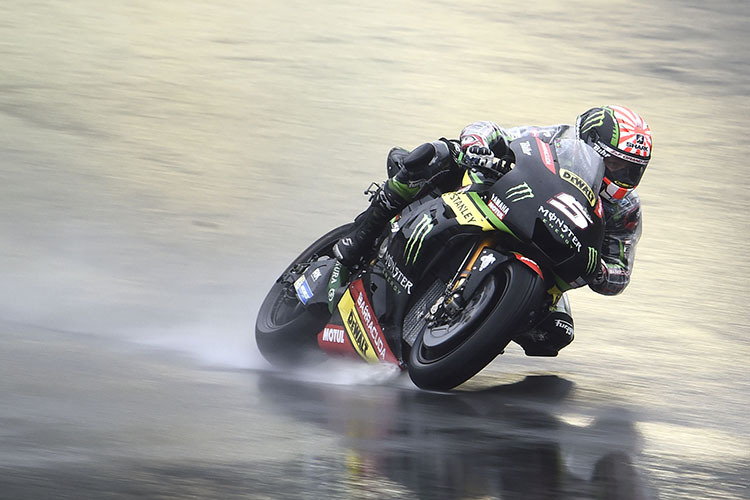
(161, 162)
(154, 426)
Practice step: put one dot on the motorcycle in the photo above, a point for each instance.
(455, 277)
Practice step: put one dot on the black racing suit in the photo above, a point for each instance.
(439, 163)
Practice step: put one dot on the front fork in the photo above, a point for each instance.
(480, 262)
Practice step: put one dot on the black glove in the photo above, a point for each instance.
(477, 156)
(601, 275)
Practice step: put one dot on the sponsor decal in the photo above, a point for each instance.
(564, 325)
(362, 327)
(333, 334)
(334, 340)
(485, 260)
(467, 213)
(580, 184)
(414, 244)
(526, 148)
(372, 328)
(357, 334)
(593, 260)
(498, 207)
(373, 331)
(593, 120)
(338, 274)
(355, 329)
(303, 289)
(559, 227)
(519, 192)
(461, 204)
(394, 275)
(546, 153)
(316, 274)
(639, 143)
(573, 210)
(335, 274)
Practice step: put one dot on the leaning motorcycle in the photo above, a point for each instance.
(454, 278)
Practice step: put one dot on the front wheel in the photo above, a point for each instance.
(286, 330)
(493, 315)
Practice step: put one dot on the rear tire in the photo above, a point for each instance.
(501, 306)
(286, 330)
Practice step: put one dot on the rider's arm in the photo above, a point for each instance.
(621, 234)
(485, 134)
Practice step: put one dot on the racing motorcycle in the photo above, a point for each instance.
(456, 275)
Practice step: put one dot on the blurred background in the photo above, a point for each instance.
(162, 161)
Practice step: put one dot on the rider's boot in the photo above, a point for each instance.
(552, 334)
(385, 204)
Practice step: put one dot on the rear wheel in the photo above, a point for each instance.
(446, 355)
(286, 330)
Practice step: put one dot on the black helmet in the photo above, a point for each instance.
(623, 139)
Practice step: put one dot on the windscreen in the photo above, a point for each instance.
(574, 155)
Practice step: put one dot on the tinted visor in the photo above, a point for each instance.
(623, 173)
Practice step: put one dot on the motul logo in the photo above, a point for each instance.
(335, 335)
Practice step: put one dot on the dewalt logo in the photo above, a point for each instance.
(580, 184)
(357, 334)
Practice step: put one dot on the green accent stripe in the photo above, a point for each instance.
(403, 190)
(494, 219)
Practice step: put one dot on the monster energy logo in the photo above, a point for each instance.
(596, 119)
(414, 244)
(593, 260)
(518, 193)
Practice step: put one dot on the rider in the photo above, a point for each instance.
(619, 135)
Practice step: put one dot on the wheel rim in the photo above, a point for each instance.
(441, 340)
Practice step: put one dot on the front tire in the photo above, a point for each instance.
(286, 330)
(501, 306)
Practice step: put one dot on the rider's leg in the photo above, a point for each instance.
(409, 172)
(385, 204)
(552, 334)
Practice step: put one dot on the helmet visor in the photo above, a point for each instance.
(624, 173)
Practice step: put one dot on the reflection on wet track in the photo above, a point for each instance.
(99, 420)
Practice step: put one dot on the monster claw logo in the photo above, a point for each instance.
(593, 260)
(416, 239)
(595, 119)
(518, 193)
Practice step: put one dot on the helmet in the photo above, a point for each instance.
(623, 139)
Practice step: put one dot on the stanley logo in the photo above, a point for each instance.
(518, 193)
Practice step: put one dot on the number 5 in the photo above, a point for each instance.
(572, 209)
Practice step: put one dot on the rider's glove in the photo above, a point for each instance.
(601, 275)
(477, 156)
